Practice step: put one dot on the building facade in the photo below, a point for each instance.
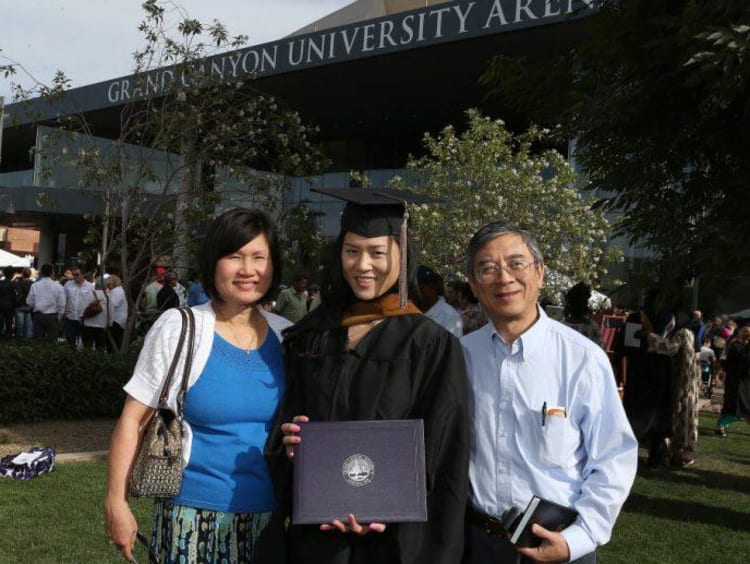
(373, 77)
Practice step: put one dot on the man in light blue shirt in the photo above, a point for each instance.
(546, 417)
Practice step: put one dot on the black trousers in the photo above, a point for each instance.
(481, 548)
(116, 333)
(94, 337)
(46, 326)
(7, 316)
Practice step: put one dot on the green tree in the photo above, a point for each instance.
(484, 174)
(657, 96)
(303, 242)
(186, 148)
(11, 69)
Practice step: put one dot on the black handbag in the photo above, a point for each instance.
(157, 471)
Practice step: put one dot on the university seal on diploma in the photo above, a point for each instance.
(358, 470)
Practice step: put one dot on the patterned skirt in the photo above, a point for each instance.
(184, 535)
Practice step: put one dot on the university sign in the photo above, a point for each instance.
(408, 30)
(433, 25)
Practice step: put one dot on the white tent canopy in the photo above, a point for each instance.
(744, 314)
(9, 259)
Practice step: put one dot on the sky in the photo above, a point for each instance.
(93, 40)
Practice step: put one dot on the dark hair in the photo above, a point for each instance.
(465, 290)
(577, 301)
(454, 284)
(494, 230)
(228, 233)
(428, 277)
(8, 272)
(46, 270)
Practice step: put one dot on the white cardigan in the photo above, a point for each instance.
(156, 355)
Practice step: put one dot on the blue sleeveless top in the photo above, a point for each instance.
(230, 410)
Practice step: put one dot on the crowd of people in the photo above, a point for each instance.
(664, 360)
(87, 311)
(734, 370)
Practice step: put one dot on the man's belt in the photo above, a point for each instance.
(493, 526)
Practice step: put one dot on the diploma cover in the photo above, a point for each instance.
(372, 469)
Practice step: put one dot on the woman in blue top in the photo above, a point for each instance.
(234, 387)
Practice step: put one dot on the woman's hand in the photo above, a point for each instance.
(291, 434)
(353, 527)
(120, 525)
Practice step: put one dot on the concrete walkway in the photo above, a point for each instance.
(81, 456)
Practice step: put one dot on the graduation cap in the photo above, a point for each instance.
(375, 212)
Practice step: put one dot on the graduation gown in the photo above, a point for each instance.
(648, 390)
(405, 367)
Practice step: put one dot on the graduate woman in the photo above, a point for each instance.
(366, 354)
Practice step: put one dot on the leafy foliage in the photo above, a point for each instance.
(487, 174)
(189, 143)
(303, 242)
(657, 96)
(43, 381)
(10, 69)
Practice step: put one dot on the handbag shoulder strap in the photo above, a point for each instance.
(175, 358)
(190, 318)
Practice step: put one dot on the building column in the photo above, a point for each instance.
(47, 243)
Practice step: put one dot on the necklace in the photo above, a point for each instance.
(253, 335)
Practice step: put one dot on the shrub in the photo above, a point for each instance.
(40, 381)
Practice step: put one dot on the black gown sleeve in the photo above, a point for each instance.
(442, 404)
(279, 466)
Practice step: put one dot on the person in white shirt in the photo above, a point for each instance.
(78, 293)
(433, 304)
(546, 417)
(708, 365)
(94, 330)
(47, 302)
(118, 309)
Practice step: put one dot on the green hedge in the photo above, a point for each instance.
(41, 381)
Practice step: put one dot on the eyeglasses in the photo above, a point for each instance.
(489, 273)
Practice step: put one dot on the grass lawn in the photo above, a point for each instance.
(58, 517)
(698, 514)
